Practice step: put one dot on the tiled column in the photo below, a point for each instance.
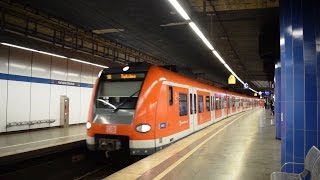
(300, 78)
(277, 102)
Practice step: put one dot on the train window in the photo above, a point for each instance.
(170, 95)
(218, 103)
(195, 103)
(233, 102)
(183, 105)
(208, 103)
(118, 94)
(212, 103)
(191, 111)
(200, 106)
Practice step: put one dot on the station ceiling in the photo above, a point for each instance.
(245, 32)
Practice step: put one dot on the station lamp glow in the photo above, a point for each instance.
(55, 55)
(195, 28)
(180, 10)
(126, 68)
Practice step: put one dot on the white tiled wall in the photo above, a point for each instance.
(86, 77)
(4, 51)
(23, 101)
(59, 71)
(40, 102)
(18, 106)
(74, 70)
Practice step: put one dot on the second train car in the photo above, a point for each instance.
(147, 108)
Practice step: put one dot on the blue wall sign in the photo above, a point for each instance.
(245, 86)
(267, 93)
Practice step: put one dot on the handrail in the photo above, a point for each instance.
(289, 163)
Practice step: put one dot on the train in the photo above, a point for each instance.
(147, 108)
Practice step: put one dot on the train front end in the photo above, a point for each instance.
(111, 123)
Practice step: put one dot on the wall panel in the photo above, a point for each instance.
(4, 53)
(58, 72)
(86, 77)
(18, 108)
(73, 92)
(20, 62)
(3, 104)
(40, 92)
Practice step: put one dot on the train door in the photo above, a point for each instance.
(212, 106)
(223, 106)
(228, 105)
(193, 117)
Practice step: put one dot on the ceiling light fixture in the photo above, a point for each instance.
(218, 56)
(51, 54)
(33, 50)
(195, 28)
(180, 10)
(104, 31)
(85, 62)
(253, 90)
(199, 33)
(126, 68)
(235, 75)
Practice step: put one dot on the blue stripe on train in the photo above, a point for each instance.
(13, 77)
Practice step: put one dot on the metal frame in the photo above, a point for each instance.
(21, 20)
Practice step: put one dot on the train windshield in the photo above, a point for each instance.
(116, 95)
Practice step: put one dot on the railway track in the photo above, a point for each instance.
(75, 162)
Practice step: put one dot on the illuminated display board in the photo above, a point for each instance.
(130, 76)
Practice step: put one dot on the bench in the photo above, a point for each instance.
(311, 164)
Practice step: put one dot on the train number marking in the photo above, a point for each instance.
(111, 129)
(183, 122)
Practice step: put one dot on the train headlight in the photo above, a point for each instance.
(88, 125)
(143, 128)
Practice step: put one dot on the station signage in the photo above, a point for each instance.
(267, 93)
(66, 83)
(245, 86)
(124, 76)
(232, 79)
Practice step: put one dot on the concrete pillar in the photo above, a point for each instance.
(300, 79)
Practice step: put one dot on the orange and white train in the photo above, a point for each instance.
(147, 108)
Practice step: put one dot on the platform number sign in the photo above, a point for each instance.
(245, 86)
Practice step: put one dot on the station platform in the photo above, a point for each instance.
(240, 147)
(26, 141)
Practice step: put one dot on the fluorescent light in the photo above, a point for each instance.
(33, 50)
(235, 75)
(199, 33)
(180, 10)
(104, 31)
(51, 54)
(195, 28)
(85, 62)
(126, 68)
(218, 56)
(253, 90)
